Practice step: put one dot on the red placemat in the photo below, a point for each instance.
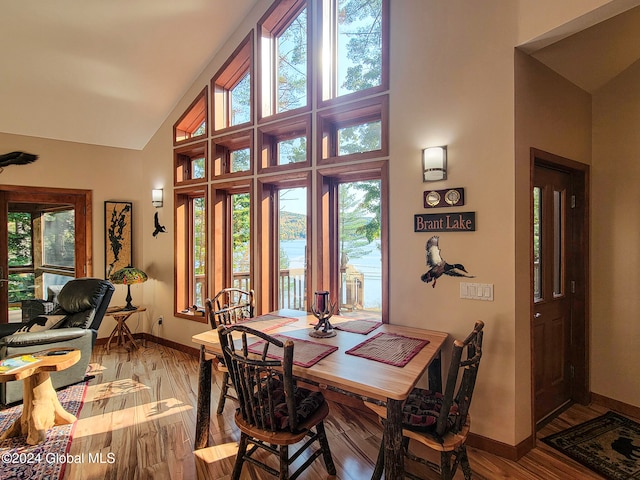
(358, 326)
(389, 348)
(268, 322)
(305, 352)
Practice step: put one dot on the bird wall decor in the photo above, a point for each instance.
(437, 265)
(158, 228)
(16, 158)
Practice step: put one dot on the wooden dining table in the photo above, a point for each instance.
(363, 378)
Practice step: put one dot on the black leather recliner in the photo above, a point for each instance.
(82, 304)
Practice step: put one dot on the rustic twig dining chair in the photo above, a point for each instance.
(441, 421)
(274, 413)
(229, 306)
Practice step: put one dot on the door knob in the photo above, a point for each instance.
(537, 315)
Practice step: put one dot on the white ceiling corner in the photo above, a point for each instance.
(105, 73)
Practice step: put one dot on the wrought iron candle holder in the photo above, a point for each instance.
(322, 309)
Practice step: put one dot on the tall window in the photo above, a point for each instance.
(231, 215)
(298, 189)
(21, 283)
(359, 248)
(239, 101)
(284, 44)
(241, 240)
(284, 244)
(354, 208)
(191, 251)
(292, 247)
(354, 46)
(232, 89)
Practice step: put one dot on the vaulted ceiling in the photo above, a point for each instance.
(105, 72)
(109, 72)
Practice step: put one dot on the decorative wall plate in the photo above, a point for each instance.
(452, 197)
(449, 197)
(433, 199)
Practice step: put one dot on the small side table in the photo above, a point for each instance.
(41, 408)
(121, 330)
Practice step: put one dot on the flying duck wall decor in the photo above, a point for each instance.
(16, 158)
(438, 266)
(158, 228)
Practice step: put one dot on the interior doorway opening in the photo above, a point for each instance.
(46, 241)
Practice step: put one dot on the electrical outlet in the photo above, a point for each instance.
(160, 320)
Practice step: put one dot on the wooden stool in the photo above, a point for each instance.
(41, 408)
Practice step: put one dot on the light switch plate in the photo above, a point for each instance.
(476, 291)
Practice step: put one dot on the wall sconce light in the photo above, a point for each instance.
(434, 163)
(156, 197)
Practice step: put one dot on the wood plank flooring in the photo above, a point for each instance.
(139, 414)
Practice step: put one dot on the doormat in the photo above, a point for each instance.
(609, 445)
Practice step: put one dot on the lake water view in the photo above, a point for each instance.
(369, 265)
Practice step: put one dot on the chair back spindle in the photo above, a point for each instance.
(229, 306)
(256, 377)
(467, 371)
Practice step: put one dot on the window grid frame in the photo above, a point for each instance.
(270, 135)
(319, 117)
(190, 116)
(184, 290)
(272, 24)
(223, 146)
(327, 81)
(330, 120)
(183, 163)
(239, 63)
(221, 219)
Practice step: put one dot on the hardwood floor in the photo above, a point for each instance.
(139, 413)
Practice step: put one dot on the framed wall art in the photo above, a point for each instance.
(118, 228)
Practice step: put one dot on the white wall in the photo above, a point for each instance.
(111, 174)
(615, 239)
(452, 84)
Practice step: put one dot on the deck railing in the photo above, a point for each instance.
(292, 289)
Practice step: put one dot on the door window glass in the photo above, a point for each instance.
(558, 242)
(537, 243)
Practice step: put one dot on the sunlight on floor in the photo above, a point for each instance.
(128, 417)
(217, 452)
(105, 391)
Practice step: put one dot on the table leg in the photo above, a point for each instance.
(435, 373)
(393, 454)
(203, 413)
(121, 337)
(128, 333)
(41, 411)
(113, 333)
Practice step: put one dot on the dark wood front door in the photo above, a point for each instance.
(559, 277)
